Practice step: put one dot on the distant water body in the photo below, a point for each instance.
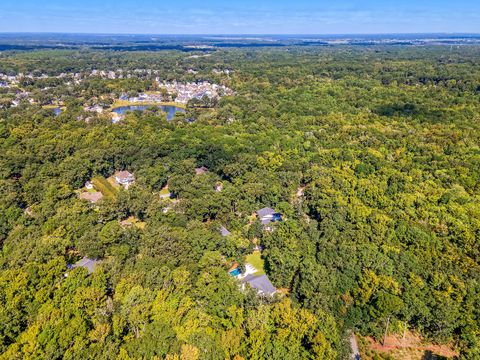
(169, 109)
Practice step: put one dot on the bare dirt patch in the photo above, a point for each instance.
(409, 347)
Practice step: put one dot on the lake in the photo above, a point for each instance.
(169, 109)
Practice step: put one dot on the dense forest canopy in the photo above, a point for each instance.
(371, 155)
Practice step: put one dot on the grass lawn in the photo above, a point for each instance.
(255, 259)
(111, 180)
(165, 191)
(52, 106)
(135, 222)
(105, 187)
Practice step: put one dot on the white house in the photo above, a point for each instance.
(124, 178)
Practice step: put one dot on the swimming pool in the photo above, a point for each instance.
(235, 272)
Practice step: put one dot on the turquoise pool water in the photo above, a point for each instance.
(235, 272)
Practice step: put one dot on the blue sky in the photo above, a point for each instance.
(240, 17)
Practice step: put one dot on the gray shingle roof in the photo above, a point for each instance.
(260, 283)
(224, 231)
(265, 212)
(86, 263)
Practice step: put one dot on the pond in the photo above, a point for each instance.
(169, 109)
(57, 111)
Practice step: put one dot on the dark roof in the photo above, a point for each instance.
(224, 231)
(260, 283)
(86, 263)
(265, 212)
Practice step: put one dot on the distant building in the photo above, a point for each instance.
(261, 283)
(117, 117)
(224, 231)
(218, 187)
(96, 108)
(300, 192)
(124, 178)
(89, 185)
(201, 170)
(267, 216)
(85, 263)
(29, 211)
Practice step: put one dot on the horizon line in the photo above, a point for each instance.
(231, 34)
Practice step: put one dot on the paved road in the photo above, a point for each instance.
(354, 346)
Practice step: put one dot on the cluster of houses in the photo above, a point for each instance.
(104, 74)
(143, 98)
(179, 92)
(20, 97)
(94, 108)
(7, 80)
(122, 178)
(249, 278)
(194, 90)
(220, 72)
(13, 79)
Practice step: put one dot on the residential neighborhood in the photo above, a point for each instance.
(171, 91)
(236, 197)
(184, 92)
(99, 187)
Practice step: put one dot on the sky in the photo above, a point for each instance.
(240, 17)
